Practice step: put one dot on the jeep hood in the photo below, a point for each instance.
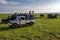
(13, 21)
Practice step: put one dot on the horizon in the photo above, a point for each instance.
(28, 12)
(22, 6)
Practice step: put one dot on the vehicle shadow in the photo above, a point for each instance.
(4, 28)
(2, 23)
(8, 28)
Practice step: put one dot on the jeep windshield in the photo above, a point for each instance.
(17, 18)
(20, 18)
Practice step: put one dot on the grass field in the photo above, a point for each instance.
(43, 29)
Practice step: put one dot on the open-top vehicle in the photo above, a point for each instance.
(22, 20)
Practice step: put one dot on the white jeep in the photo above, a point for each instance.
(21, 21)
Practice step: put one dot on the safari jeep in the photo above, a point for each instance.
(21, 20)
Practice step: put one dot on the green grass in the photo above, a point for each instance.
(43, 29)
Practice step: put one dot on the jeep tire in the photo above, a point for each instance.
(31, 23)
(13, 26)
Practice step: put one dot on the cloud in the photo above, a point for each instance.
(37, 9)
(13, 3)
(30, 0)
(4, 2)
(52, 7)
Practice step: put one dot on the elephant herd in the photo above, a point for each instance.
(49, 16)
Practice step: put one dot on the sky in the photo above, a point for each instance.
(39, 6)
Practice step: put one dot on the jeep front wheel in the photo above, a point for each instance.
(13, 26)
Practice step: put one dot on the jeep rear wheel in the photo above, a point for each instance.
(31, 23)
